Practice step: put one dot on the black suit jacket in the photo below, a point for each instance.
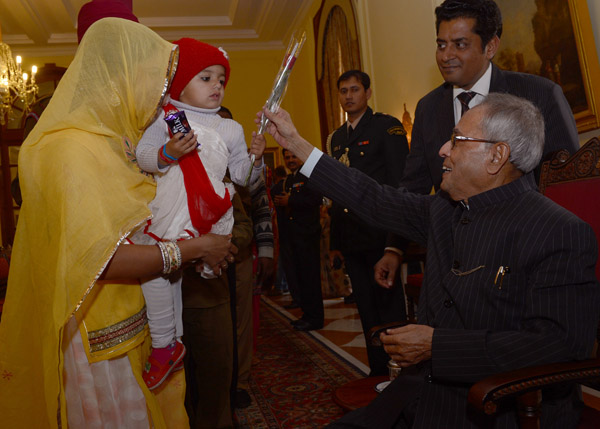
(545, 310)
(377, 147)
(434, 122)
(301, 217)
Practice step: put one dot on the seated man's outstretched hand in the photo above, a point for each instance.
(408, 345)
(285, 134)
(280, 126)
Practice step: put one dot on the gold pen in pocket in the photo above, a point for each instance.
(501, 271)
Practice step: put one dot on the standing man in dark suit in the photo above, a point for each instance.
(510, 275)
(298, 219)
(374, 143)
(468, 37)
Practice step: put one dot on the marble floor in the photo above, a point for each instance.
(341, 331)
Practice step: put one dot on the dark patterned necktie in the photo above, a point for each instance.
(465, 98)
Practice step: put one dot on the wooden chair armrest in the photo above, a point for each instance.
(486, 394)
(375, 331)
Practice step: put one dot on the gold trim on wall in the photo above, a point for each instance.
(567, 51)
(337, 50)
(272, 157)
(588, 119)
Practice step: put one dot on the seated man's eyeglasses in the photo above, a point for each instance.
(454, 138)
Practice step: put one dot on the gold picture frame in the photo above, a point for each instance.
(539, 39)
(272, 157)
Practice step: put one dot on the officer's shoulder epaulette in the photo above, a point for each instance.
(397, 129)
(382, 114)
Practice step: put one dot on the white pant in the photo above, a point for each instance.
(164, 309)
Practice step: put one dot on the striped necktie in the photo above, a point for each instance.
(465, 98)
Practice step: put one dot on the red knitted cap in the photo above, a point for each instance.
(98, 9)
(195, 56)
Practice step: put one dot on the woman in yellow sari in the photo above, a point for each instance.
(73, 336)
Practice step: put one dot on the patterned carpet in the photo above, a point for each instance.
(293, 377)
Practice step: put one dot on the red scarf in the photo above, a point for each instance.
(206, 207)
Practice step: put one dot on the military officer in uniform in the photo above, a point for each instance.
(374, 143)
(298, 219)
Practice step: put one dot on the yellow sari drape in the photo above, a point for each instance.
(82, 194)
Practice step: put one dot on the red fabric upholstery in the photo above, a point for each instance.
(581, 198)
(414, 280)
(3, 268)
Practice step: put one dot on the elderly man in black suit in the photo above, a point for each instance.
(509, 280)
(468, 37)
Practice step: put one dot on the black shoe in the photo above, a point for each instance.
(242, 399)
(350, 299)
(291, 305)
(304, 326)
(297, 321)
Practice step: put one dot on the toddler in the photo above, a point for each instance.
(191, 197)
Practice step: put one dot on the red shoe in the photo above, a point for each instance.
(179, 366)
(156, 372)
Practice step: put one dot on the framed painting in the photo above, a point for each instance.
(272, 157)
(554, 39)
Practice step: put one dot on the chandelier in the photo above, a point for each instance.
(14, 84)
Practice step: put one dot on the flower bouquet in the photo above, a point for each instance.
(280, 85)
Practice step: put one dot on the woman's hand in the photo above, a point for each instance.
(217, 251)
(139, 261)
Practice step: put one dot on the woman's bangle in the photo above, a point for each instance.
(165, 257)
(171, 255)
(164, 151)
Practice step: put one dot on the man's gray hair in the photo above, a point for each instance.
(516, 121)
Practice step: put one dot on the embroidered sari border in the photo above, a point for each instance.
(118, 333)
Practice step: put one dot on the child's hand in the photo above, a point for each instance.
(181, 144)
(257, 147)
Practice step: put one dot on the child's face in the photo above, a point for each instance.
(206, 89)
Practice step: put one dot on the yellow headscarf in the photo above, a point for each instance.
(82, 193)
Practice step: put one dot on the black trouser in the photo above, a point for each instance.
(394, 408)
(302, 265)
(376, 304)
